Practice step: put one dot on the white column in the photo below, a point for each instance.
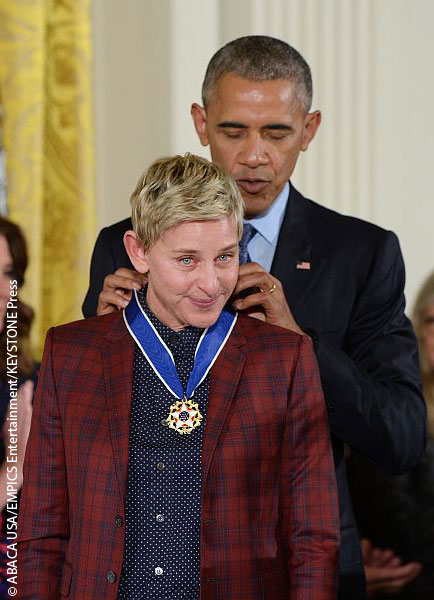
(336, 38)
(403, 96)
(131, 84)
(194, 37)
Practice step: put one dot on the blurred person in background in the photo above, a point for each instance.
(13, 263)
(396, 514)
(423, 321)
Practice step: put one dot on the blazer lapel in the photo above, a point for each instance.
(299, 257)
(225, 376)
(118, 364)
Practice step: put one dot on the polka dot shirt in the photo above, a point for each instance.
(162, 537)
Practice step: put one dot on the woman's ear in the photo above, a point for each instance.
(135, 251)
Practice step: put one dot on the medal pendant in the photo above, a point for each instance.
(184, 416)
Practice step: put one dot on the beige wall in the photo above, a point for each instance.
(132, 87)
(373, 78)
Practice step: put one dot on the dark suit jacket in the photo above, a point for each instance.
(108, 255)
(351, 301)
(269, 498)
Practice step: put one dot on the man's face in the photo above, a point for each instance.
(256, 130)
(192, 271)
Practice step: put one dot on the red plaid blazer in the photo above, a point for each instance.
(270, 526)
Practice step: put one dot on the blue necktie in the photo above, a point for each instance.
(248, 232)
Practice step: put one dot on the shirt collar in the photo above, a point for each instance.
(268, 223)
(165, 332)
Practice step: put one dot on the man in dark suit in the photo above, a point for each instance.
(127, 494)
(338, 279)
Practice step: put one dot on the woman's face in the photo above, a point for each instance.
(427, 334)
(6, 274)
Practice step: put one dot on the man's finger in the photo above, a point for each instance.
(113, 282)
(395, 584)
(129, 273)
(118, 300)
(109, 302)
(384, 558)
(263, 282)
(251, 267)
(255, 299)
(382, 576)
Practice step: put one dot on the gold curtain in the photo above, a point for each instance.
(46, 95)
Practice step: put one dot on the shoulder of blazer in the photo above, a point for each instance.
(319, 222)
(93, 331)
(260, 335)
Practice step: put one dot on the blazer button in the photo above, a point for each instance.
(118, 521)
(330, 409)
(111, 577)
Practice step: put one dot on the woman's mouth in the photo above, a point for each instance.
(205, 303)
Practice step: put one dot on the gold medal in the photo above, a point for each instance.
(184, 416)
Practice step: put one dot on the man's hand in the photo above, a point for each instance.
(385, 572)
(269, 304)
(117, 290)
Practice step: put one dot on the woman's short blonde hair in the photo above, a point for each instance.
(182, 189)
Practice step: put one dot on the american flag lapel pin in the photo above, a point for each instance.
(305, 265)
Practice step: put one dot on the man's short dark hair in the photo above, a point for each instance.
(260, 58)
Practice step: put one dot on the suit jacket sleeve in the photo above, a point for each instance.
(43, 525)
(372, 383)
(310, 514)
(102, 263)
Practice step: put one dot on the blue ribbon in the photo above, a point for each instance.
(161, 359)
